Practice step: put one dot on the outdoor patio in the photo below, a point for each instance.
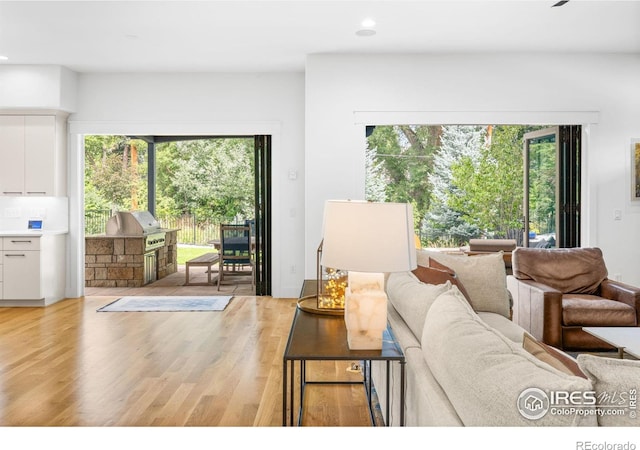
(174, 285)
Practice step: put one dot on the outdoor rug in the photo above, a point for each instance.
(168, 303)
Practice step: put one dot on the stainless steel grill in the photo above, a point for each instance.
(140, 223)
(137, 223)
(155, 240)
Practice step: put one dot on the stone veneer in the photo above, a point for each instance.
(118, 261)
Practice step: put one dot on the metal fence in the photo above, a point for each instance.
(95, 221)
(192, 230)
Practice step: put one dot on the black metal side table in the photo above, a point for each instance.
(318, 337)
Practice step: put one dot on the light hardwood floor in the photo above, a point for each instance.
(69, 365)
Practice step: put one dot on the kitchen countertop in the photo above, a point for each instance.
(35, 233)
(120, 236)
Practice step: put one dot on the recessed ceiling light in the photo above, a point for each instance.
(368, 23)
(3, 58)
(367, 27)
(365, 32)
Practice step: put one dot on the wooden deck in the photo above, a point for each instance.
(174, 284)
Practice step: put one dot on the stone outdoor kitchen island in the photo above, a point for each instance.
(123, 261)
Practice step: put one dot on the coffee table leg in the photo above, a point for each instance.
(284, 393)
(293, 392)
(402, 392)
(303, 385)
(388, 388)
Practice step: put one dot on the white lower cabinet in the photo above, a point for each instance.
(22, 273)
(32, 270)
(1, 271)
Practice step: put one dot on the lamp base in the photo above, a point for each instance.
(365, 339)
(365, 311)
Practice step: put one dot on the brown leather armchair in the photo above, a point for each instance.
(558, 291)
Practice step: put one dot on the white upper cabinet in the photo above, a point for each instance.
(39, 155)
(32, 155)
(11, 155)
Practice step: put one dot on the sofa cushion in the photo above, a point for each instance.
(487, 377)
(552, 356)
(429, 404)
(437, 273)
(483, 276)
(401, 330)
(412, 298)
(616, 383)
(589, 310)
(569, 270)
(507, 327)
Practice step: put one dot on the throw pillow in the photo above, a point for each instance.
(412, 298)
(552, 356)
(438, 273)
(490, 380)
(484, 278)
(616, 382)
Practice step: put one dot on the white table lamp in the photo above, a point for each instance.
(367, 239)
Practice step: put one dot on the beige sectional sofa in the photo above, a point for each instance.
(466, 362)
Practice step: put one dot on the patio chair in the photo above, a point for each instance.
(235, 252)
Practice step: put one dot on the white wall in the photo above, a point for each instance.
(346, 92)
(199, 104)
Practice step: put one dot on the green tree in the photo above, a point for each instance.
(542, 186)
(489, 190)
(115, 172)
(403, 157)
(212, 178)
(375, 180)
(167, 163)
(444, 225)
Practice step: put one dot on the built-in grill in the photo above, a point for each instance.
(137, 223)
(140, 223)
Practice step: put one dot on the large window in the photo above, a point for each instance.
(467, 181)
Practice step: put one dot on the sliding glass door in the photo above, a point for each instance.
(552, 187)
(263, 213)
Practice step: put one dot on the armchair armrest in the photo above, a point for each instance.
(540, 311)
(616, 290)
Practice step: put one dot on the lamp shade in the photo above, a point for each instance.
(368, 236)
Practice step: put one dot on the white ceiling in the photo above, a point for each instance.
(265, 35)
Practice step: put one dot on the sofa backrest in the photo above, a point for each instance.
(569, 270)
